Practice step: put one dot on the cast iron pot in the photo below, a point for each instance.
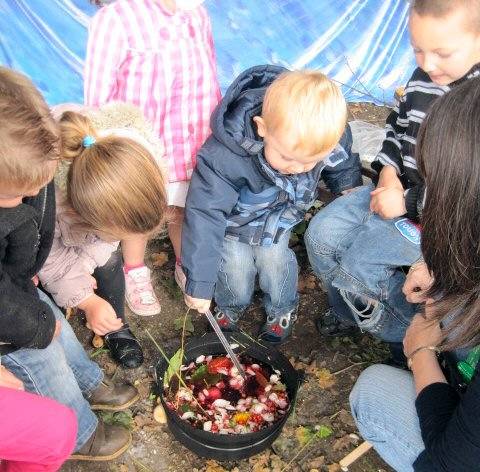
(232, 446)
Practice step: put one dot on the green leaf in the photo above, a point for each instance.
(200, 373)
(152, 397)
(323, 431)
(304, 435)
(184, 408)
(98, 351)
(121, 418)
(174, 365)
(178, 324)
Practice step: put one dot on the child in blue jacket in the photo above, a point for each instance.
(274, 135)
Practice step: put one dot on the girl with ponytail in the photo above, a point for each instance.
(109, 189)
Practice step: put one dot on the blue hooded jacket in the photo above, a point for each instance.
(234, 192)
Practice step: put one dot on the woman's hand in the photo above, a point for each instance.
(417, 283)
(101, 317)
(421, 332)
(199, 304)
(8, 380)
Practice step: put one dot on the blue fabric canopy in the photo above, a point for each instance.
(362, 44)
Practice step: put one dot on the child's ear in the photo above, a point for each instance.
(261, 128)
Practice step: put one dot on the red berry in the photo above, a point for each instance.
(219, 363)
(214, 393)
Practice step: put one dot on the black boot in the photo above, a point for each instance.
(124, 348)
(330, 325)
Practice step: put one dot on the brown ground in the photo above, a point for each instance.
(331, 365)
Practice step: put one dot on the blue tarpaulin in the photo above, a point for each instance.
(362, 44)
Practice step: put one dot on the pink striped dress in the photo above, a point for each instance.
(161, 62)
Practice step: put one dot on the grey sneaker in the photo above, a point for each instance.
(277, 328)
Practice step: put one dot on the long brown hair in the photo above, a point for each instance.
(448, 156)
(114, 185)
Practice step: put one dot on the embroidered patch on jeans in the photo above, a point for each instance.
(408, 229)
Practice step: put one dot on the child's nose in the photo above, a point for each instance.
(428, 63)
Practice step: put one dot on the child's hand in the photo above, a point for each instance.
(199, 304)
(35, 280)
(101, 317)
(388, 202)
(8, 380)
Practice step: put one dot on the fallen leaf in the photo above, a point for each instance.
(317, 462)
(304, 435)
(159, 259)
(159, 414)
(260, 462)
(342, 443)
(97, 341)
(334, 468)
(214, 466)
(325, 378)
(142, 420)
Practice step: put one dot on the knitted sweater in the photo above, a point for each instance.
(402, 126)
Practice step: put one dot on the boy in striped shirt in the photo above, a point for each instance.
(358, 245)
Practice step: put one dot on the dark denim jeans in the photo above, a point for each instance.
(358, 256)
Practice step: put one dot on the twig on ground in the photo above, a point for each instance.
(348, 367)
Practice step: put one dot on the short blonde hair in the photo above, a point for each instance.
(115, 186)
(29, 143)
(308, 105)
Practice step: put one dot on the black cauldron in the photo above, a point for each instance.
(233, 446)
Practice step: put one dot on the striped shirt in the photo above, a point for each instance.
(402, 126)
(162, 63)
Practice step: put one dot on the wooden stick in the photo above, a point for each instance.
(358, 452)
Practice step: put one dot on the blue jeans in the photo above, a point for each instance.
(383, 406)
(61, 371)
(277, 270)
(358, 257)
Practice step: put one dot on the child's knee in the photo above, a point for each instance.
(375, 317)
(318, 236)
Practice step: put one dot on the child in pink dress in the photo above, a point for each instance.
(159, 56)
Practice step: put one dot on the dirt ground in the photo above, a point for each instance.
(331, 367)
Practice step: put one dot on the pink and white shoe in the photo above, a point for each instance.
(139, 293)
(180, 277)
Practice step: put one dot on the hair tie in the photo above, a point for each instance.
(88, 141)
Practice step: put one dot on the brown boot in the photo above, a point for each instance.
(106, 443)
(113, 397)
